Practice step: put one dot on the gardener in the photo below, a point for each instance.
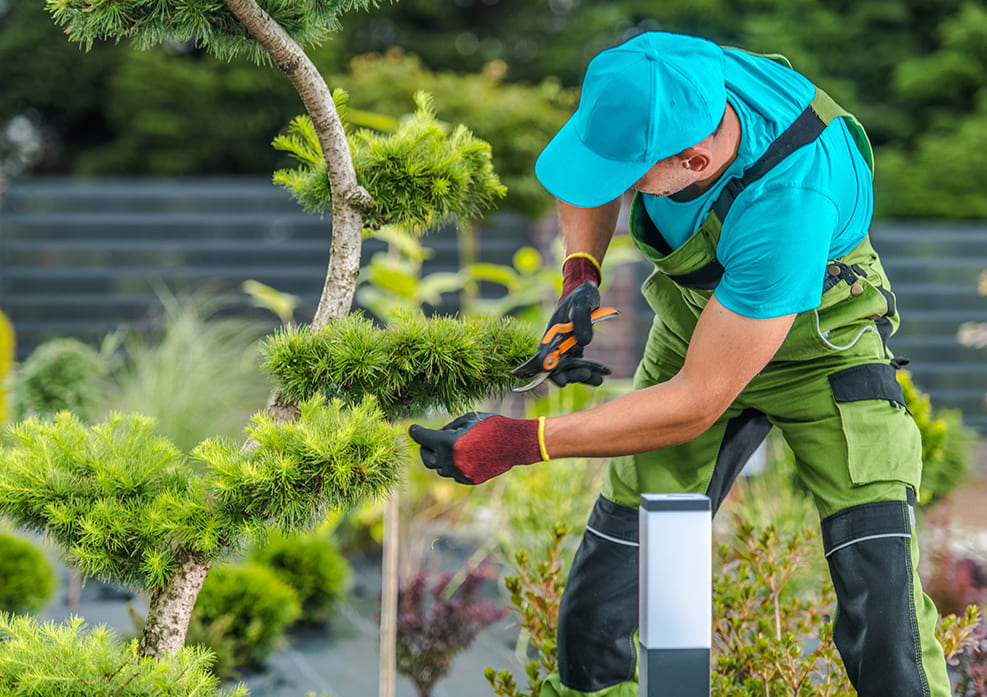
(753, 200)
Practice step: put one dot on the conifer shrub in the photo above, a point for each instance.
(412, 366)
(312, 565)
(60, 375)
(27, 580)
(253, 608)
(419, 175)
(66, 660)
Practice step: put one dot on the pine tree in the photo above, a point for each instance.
(119, 498)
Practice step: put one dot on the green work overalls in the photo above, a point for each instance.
(831, 390)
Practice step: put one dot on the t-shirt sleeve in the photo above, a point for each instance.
(774, 251)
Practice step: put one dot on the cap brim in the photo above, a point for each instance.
(577, 175)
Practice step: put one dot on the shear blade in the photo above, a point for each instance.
(533, 384)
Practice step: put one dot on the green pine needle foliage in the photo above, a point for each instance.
(415, 365)
(105, 495)
(63, 659)
(208, 23)
(420, 175)
(330, 457)
(124, 505)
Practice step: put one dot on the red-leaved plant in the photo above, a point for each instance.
(434, 624)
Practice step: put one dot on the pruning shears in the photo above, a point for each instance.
(554, 350)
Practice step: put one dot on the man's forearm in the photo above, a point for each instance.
(685, 406)
(587, 230)
(648, 419)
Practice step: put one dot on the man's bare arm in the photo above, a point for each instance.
(726, 352)
(587, 230)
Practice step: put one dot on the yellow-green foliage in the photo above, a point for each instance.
(6, 364)
(413, 365)
(946, 442)
(420, 175)
(27, 579)
(251, 607)
(124, 505)
(66, 659)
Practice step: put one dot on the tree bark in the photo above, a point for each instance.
(171, 609)
(349, 200)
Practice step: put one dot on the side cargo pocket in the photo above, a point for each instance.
(883, 442)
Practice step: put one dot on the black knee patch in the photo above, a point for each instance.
(868, 548)
(598, 614)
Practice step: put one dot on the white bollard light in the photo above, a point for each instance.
(675, 605)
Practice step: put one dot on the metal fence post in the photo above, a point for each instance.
(675, 605)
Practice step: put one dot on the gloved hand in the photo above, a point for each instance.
(479, 446)
(580, 296)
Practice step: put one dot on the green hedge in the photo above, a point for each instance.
(27, 580)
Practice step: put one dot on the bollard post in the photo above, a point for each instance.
(675, 604)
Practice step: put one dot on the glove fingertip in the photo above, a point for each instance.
(415, 431)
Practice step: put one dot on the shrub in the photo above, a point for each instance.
(27, 580)
(535, 597)
(946, 442)
(770, 636)
(60, 374)
(255, 606)
(970, 669)
(312, 565)
(434, 625)
(762, 632)
(63, 659)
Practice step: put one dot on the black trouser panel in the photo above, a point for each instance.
(743, 434)
(598, 615)
(868, 548)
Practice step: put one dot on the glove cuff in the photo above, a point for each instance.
(577, 269)
(496, 444)
(542, 450)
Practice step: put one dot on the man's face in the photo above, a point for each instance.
(667, 177)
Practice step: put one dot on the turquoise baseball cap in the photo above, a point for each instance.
(651, 97)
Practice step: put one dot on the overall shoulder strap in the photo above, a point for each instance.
(806, 128)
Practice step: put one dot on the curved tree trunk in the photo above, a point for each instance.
(349, 199)
(171, 609)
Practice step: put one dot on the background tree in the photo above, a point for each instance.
(908, 69)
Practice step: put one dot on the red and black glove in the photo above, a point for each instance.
(479, 446)
(580, 296)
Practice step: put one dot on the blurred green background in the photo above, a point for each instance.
(911, 70)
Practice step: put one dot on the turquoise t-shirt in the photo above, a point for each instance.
(814, 206)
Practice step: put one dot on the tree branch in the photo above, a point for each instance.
(350, 201)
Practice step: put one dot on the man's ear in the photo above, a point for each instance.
(696, 159)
